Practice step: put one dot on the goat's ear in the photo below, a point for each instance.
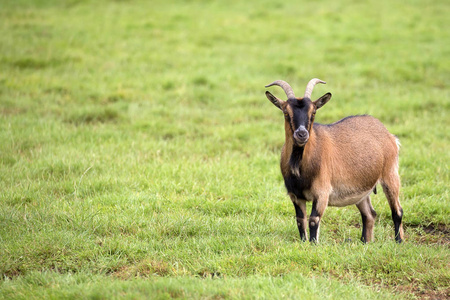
(277, 102)
(322, 100)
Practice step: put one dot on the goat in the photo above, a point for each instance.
(336, 164)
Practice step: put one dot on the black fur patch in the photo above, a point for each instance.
(301, 111)
(313, 232)
(364, 229)
(397, 223)
(299, 216)
(342, 120)
(296, 157)
(297, 184)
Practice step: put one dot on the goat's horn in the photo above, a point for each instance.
(310, 87)
(285, 86)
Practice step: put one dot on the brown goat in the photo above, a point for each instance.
(337, 164)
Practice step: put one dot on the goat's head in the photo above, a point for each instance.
(299, 113)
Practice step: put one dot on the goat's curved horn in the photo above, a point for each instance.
(285, 86)
(310, 86)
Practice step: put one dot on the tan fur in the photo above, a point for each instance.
(353, 155)
(287, 147)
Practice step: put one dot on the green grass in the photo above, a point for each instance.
(98, 287)
(139, 156)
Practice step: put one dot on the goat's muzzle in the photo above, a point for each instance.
(301, 136)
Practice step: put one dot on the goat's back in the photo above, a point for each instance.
(357, 133)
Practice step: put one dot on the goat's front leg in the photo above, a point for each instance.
(300, 213)
(318, 208)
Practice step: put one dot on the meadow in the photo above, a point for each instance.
(139, 156)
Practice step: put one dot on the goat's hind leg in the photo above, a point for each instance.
(391, 188)
(368, 215)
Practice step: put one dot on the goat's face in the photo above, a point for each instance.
(299, 115)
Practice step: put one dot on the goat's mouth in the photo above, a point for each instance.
(300, 142)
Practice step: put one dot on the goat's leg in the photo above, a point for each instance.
(300, 213)
(318, 208)
(368, 215)
(391, 188)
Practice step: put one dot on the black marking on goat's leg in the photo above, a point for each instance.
(391, 185)
(300, 213)
(397, 224)
(314, 221)
(364, 229)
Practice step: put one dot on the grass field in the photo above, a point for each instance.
(139, 156)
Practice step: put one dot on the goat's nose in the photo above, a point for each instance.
(301, 134)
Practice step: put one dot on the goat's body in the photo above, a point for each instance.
(342, 163)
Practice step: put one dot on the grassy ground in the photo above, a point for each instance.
(139, 155)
